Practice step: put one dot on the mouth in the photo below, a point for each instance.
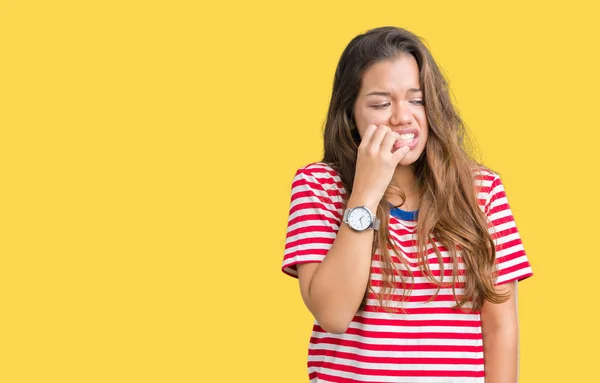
(408, 137)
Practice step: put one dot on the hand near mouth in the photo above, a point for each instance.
(379, 152)
(397, 145)
(408, 137)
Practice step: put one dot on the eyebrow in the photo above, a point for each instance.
(411, 90)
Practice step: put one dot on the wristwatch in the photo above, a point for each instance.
(360, 218)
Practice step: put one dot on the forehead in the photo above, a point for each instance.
(397, 74)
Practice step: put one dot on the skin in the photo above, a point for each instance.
(398, 105)
(500, 331)
(333, 289)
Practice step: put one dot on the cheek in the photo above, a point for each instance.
(426, 138)
(421, 116)
(422, 119)
(367, 116)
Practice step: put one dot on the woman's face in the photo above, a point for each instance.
(391, 95)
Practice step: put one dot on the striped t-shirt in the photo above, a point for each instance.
(427, 341)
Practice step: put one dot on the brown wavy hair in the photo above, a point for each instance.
(448, 210)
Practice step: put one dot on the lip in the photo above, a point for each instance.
(411, 145)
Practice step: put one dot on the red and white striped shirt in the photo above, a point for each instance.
(428, 341)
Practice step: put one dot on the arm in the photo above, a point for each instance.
(333, 289)
(500, 331)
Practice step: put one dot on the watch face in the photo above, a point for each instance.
(359, 219)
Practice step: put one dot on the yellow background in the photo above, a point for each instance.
(148, 149)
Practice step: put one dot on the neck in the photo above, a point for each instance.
(405, 179)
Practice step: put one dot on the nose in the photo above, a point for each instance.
(401, 114)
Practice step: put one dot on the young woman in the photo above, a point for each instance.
(406, 249)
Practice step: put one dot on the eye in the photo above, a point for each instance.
(418, 102)
(381, 106)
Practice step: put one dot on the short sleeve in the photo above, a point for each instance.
(314, 217)
(511, 259)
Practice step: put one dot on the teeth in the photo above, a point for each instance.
(407, 137)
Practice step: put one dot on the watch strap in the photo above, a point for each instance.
(376, 223)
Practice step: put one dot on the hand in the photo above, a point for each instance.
(378, 156)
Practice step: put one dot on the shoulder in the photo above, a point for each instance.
(319, 169)
(320, 176)
(320, 172)
(487, 183)
(484, 176)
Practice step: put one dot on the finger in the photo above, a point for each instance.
(401, 153)
(366, 137)
(378, 136)
(388, 142)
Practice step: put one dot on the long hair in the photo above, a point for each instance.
(449, 210)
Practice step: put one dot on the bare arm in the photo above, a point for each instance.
(500, 331)
(333, 289)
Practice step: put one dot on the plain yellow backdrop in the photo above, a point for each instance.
(147, 153)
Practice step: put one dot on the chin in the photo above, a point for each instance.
(410, 158)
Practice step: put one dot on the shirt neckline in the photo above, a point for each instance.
(403, 214)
